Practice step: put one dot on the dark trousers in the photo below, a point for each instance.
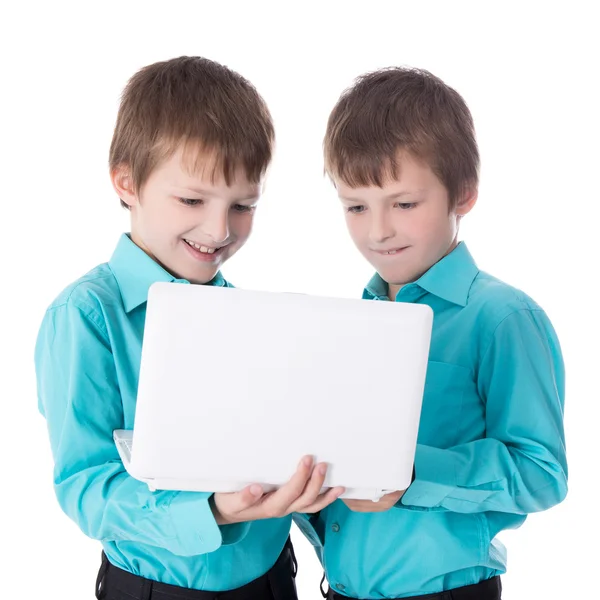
(490, 589)
(277, 584)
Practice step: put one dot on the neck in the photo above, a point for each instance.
(393, 289)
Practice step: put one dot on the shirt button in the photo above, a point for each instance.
(340, 586)
(335, 528)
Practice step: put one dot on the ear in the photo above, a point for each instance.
(263, 185)
(123, 184)
(466, 202)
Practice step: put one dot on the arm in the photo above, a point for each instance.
(520, 466)
(79, 396)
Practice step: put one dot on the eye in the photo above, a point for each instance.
(355, 210)
(242, 208)
(406, 205)
(190, 201)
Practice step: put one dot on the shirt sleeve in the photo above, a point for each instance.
(78, 394)
(520, 466)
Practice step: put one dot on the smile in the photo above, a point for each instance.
(391, 251)
(203, 249)
(204, 253)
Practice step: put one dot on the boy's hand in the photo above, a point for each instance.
(299, 494)
(366, 506)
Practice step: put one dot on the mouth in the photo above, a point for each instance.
(204, 253)
(391, 251)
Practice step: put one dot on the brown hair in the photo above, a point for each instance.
(401, 109)
(201, 104)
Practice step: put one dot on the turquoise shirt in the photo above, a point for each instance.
(87, 364)
(490, 446)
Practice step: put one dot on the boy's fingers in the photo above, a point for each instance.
(323, 500)
(278, 504)
(314, 486)
(229, 505)
(250, 495)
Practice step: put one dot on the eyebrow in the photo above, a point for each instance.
(203, 192)
(393, 196)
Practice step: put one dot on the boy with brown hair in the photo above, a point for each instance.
(191, 146)
(401, 151)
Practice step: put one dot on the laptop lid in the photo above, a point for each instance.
(236, 386)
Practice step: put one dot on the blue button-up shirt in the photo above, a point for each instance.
(87, 363)
(490, 446)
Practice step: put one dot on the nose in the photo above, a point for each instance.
(216, 224)
(381, 227)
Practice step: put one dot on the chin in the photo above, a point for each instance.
(201, 278)
(394, 278)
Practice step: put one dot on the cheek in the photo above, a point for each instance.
(358, 228)
(435, 227)
(241, 225)
(173, 223)
(160, 214)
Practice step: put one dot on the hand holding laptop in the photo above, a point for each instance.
(300, 494)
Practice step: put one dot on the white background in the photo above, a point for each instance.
(529, 73)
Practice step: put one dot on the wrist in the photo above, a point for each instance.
(219, 517)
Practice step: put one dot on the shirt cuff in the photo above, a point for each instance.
(233, 533)
(195, 526)
(434, 478)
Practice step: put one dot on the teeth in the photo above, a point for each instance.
(203, 249)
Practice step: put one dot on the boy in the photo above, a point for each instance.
(191, 146)
(400, 149)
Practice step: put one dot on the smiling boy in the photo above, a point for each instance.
(190, 150)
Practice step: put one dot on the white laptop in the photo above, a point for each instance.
(236, 386)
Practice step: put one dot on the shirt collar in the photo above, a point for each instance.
(135, 272)
(450, 278)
